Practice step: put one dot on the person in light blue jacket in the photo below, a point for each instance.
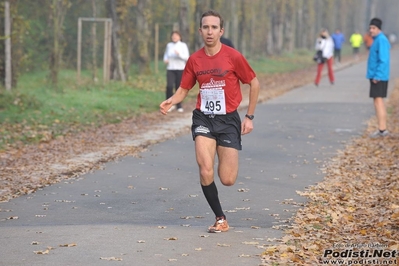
(378, 68)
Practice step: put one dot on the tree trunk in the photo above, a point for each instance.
(117, 65)
(269, 43)
(184, 27)
(278, 26)
(338, 16)
(143, 20)
(7, 43)
(281, 17)
(311, 27)
(299, 42)
(129, 35)
(289, 26)
(252, 31)
(373, 7)
(54, 63)
(128, 60)
(243, 28)
(94, 42)
(199, 9)
(57, 16)
(234, 37)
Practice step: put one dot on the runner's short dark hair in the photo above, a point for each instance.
(214, 14)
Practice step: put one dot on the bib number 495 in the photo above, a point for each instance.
(213, 106)
(213, 101)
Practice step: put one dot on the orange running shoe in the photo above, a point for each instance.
(220, 225)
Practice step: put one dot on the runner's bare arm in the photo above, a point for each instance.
(179, 96)
(247, 124)
(253, 95)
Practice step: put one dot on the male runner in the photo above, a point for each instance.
(217, 126)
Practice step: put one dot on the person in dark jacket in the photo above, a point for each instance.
(378, 68)
(226, 41)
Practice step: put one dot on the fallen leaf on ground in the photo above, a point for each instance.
(111, 258)
(68, 245)
(41, 252)
(171, 238)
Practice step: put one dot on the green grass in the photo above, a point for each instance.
(35, 109)
(285, 63)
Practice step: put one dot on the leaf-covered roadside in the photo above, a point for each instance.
(356, 206)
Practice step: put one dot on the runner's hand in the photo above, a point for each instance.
(246, 126)
(165, 106)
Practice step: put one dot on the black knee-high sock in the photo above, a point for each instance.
(211, 195)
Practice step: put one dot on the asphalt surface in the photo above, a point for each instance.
(150, 210)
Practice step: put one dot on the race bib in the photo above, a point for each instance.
(213, 101)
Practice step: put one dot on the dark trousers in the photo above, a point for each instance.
(173, 79)
(337, 54)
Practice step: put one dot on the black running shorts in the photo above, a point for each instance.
(225, 129)
(379, 89)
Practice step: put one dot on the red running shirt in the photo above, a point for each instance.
(224, 71)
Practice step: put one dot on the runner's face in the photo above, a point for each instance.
(210, 30)
(374, 30)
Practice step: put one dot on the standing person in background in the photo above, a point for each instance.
(378, 68)
(368, 40)
(339, 39)
(175, 56)
(392, 38)
(356, 41)
(226, 41)
(217, 126)
(325, 44)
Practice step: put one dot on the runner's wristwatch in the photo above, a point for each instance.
(250, 117)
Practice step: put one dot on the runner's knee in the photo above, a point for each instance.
(228, 179)
(228, 182)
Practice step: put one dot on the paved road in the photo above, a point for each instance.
(150, 210)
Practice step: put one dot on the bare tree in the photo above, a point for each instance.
(311, 25)
(199, 9)
(143, 20)
(277, 25)
(117, 66)
(373, 8)
(94, 42)
(184, 27)
(7, 43)
(289, 26)
(57, 16)
(129, 33)
(243, 28)
(234, 37)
